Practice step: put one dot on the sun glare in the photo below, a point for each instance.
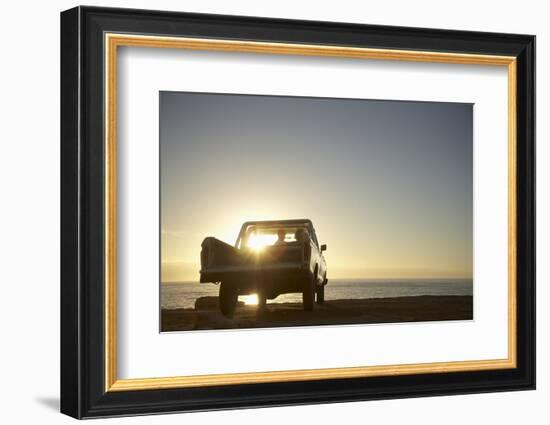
(259, 242)
(251, 299)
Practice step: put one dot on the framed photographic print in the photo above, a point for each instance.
(261, 212)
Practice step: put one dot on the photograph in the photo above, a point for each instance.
(280, 211)
(285, 210)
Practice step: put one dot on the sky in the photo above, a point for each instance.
(387, 184)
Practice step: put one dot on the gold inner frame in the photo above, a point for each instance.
(113, 41)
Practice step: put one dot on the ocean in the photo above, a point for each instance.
(183, 294)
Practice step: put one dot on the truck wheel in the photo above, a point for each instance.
(308, 294)
(321, 294)
(228, 299)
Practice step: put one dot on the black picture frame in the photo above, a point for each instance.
(83, 392)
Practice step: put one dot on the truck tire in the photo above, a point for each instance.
(228, 299)
(321, 294)
(308, 293)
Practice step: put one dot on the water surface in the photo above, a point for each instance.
(183, 294)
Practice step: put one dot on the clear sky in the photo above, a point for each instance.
(387, 184)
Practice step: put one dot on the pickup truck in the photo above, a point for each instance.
(269, 258)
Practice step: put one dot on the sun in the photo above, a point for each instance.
(259, 242)
(251, 299)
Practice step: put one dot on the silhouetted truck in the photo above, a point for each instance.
(269, 258)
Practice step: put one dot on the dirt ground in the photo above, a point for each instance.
(206, 315)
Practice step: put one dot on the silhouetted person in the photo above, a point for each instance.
(280, 237)
(301, 235)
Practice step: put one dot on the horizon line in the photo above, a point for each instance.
(358, 278)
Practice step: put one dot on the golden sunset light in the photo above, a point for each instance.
(390, 200)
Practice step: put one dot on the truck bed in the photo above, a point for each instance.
(219, 258)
